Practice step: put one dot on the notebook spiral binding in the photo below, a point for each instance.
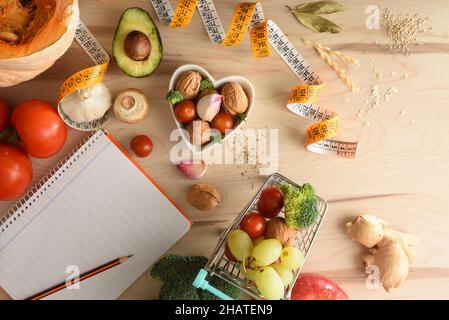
(40, 187)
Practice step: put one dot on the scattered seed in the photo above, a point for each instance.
(402, 29)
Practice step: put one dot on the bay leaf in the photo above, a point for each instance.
(321, 7)
(316, 23)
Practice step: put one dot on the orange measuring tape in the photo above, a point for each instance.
(87, 77)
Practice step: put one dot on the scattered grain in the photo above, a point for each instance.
(402, 30)
(326, 54)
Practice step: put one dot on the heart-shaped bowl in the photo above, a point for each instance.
(246, 85)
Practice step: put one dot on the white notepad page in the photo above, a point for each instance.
(97, 207)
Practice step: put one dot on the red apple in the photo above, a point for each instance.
(312, 286)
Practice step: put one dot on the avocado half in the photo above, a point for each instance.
(132, 20)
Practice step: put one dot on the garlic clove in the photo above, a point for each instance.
(205, 93)
(88, 104)
(192, 170)
(209, 106)
(131, 106)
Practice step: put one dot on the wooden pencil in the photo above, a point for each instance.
(82, 277)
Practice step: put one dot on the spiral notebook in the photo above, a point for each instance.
(93, 207)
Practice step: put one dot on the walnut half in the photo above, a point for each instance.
(189, 84)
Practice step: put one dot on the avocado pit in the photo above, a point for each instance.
(137, 46)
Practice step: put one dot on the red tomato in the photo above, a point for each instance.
(42, 131)
(230, 256)
(271, 202)
(185, 111)
(16, 172)
(312, 286)
(222, 122)
(4, 116)
(254, 225)
(142, 145)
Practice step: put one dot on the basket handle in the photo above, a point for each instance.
(200, 282)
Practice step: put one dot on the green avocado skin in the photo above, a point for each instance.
(137, 19)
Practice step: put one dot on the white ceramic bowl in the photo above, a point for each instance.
(245, 83)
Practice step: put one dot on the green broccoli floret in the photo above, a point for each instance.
(178, 273)
(174, 97)
(223, 286)
(301, 209)
(181, 290)
(206, 84)
(170, 266)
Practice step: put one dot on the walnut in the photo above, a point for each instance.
(189, 84)
(203, 196)
(197, 128)
(235, 100)
(277, 229)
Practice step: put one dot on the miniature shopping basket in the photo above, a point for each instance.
(218, 265)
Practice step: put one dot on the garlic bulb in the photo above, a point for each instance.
(87, 104)
(208, 106)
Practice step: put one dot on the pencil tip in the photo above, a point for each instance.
(125, 258)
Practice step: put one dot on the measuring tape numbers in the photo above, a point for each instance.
(87, 77)
(248, 16)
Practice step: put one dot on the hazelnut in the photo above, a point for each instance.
(137, 46)
(235, 100)
(203, 196)
(199, 130)
(189, 84)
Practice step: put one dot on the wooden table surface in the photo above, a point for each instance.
(401, 173)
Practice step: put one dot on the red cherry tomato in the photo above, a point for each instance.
(254, 225)
(42, 131)
(229, 255)
(222, 122)
(4, 116)
(142, 145)
(271, 202)
(16, 172)
(185, 111)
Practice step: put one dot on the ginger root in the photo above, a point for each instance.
(390, 250)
